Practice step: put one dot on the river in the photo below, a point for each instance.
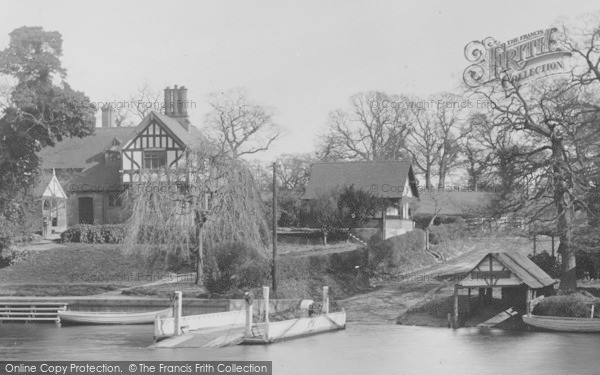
(360, 349)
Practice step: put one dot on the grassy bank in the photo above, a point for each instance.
(77, 269)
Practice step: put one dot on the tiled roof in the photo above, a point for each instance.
(524, 268)
(383, 178)
(76, 152)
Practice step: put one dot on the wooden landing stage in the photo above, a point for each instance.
(31, 311)
(499, 318)
(205, 338)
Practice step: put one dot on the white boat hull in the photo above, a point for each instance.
(89, 317)
(563, 324)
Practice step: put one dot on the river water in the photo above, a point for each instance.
(360, 349)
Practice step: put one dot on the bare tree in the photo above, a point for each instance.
(144, 99)
(449, 115)
(485, 150)
(373, 128)
(433, 140)
(423, 141)
(240, 125)
(555, 128)
(294, 171)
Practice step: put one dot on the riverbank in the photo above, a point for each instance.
(65, 269)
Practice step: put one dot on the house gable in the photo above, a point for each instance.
(152, 135)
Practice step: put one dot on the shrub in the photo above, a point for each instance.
(572, 305)
(395, 250)
(6, 255)
(235, 265)
(95, 234)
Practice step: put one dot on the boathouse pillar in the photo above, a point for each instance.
(455, 317)
(528, 293)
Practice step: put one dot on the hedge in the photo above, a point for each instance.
(572, 305)
(95, 234)
(396, 250)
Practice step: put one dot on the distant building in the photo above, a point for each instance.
(393, 181)
(95, 170)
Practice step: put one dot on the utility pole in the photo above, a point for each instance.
(274, 269)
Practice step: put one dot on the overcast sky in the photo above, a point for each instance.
(303, 57)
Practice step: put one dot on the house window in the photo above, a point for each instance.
(115, 200)
(154, 159)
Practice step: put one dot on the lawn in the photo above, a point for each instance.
(78, 269)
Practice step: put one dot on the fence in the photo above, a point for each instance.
(481, 223)
(460, 188)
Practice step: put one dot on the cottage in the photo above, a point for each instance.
(393, 181)
(95, 170)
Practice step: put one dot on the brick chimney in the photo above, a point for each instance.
(176, 105)
(108, 116)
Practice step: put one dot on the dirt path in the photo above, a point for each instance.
(386, 303)
(393, 298)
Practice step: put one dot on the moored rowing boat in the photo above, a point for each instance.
(563, 324)
(91, 317)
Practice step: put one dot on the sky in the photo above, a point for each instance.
(305, 58)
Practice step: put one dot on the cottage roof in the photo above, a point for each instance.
(75, 153)
(386, 179)
(492, 271)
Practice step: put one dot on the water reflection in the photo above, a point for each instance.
(360, 349)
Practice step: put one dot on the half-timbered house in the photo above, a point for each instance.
(95, 170)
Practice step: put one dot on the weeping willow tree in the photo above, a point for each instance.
(188, 211)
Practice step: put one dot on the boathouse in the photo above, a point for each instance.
(519, 279)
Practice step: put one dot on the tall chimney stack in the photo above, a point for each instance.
(176, 105)
(108, 116)
(174, 100)
(168, 110)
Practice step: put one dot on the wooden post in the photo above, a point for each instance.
(534, 244)
(592, 314)
(528, 302)
(248, 332)
(455, 318)
(481, 296)
(178, 307)
(266, 310)
(553, 248)
(266, 303)
(469, 302)
(325, 300)
(274, 266)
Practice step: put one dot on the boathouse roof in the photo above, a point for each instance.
(506, 269)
